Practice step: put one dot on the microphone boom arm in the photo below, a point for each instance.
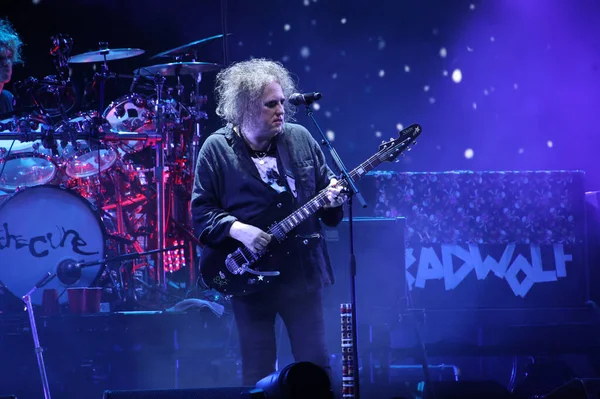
(338, 161)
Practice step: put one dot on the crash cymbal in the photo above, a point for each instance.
(186, 49)
(177, 69)
(111, 55)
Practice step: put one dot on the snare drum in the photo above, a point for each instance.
(131, 113)
(42, 228)
(86, 159)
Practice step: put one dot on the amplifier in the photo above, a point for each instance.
(379, 253)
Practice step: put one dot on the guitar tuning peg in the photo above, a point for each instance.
(382, 141)
(414, 143)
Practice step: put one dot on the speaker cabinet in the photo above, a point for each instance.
(380, 276)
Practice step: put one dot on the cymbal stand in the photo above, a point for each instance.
(118, 206)
(197, 131)
(160, 185)
(103, 75)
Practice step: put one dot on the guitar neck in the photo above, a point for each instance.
(320, 200)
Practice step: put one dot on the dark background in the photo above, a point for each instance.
(528, 98)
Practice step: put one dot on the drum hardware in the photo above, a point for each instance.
(61, 49)
(104, 55)
(91, 152)
(72, 269)
(198, 101)
(168, 147)
(160, 185)
(57, 85)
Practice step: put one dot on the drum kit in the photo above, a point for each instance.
(107, 183)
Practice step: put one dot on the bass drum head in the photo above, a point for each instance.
(42, 226)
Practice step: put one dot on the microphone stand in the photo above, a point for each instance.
(45, 280)
(353, 191)
(36, 340)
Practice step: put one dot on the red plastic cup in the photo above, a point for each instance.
(50, 302)
(76, 300)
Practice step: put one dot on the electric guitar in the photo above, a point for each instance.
(233, 269)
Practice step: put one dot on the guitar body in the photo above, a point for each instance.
(233, 269)
(215, 273)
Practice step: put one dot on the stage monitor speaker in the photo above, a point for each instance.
(380, 272)
(577, 388)
(192, 393)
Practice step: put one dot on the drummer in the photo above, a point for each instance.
(10, 54)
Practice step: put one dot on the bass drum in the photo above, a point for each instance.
(42, 228)
(131, 113)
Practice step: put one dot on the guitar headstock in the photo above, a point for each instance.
(390, 150)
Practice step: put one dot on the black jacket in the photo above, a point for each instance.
(228, 187)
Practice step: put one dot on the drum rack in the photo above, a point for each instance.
(133, 161)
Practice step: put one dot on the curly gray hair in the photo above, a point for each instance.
(9, 39)
(239, 87)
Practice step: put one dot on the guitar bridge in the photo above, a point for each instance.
(232, 264)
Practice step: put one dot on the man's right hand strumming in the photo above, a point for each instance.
(252, 237)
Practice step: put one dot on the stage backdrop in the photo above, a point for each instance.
(478, 240)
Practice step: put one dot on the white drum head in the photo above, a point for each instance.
(42, 226)
(131, 113)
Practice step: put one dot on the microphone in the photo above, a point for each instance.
(304, 98)
(68, 271)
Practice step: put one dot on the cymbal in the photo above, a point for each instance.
(177, 69)
(111, 54)
(185, 49)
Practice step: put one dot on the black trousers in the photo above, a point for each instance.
(302, 315)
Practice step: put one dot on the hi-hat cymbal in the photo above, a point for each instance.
(110, 54)
(185, 49)
(177, 69)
